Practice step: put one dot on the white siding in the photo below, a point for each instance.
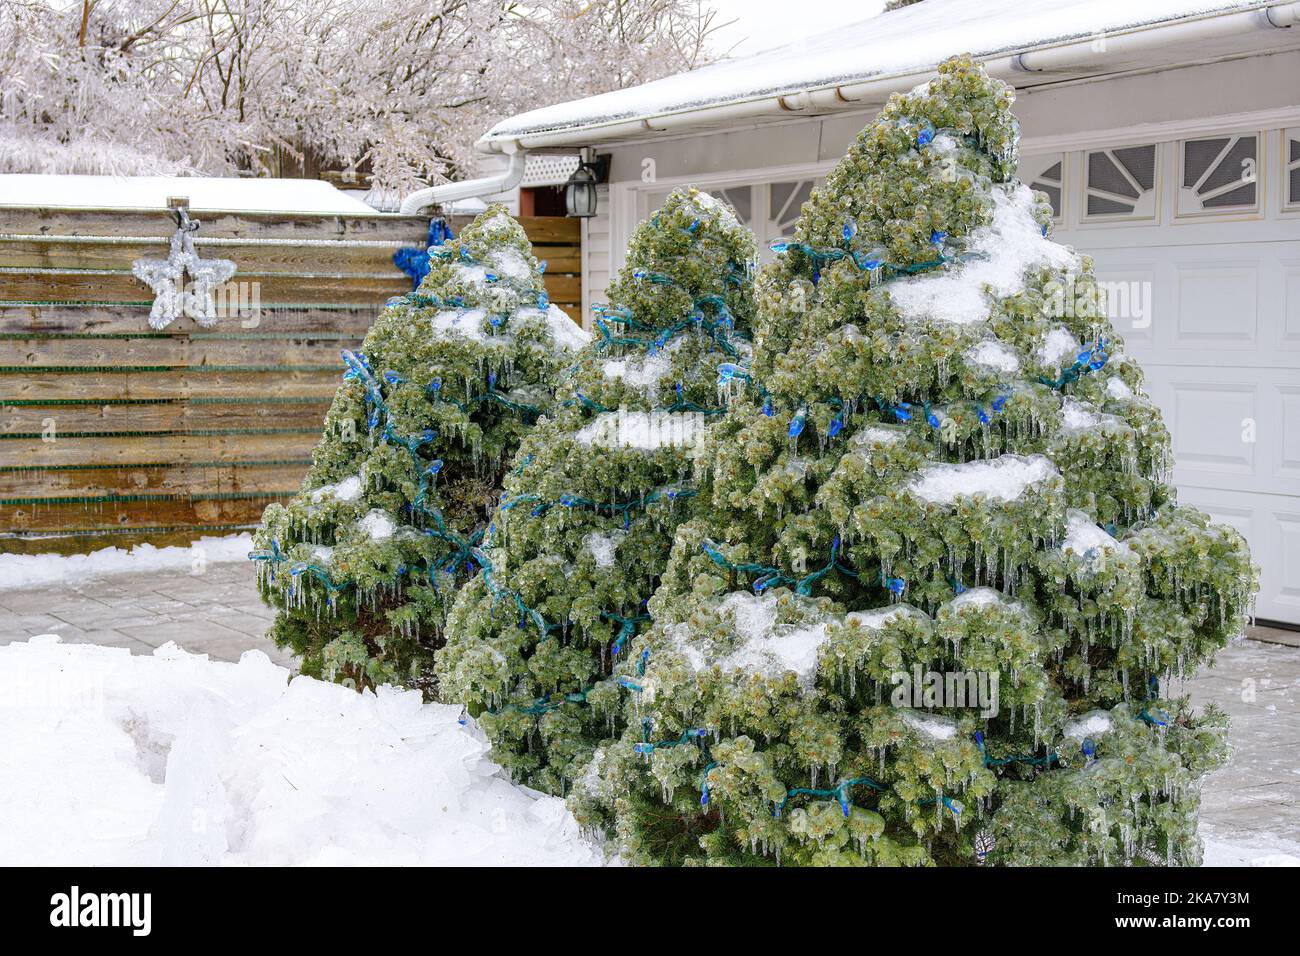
(596, 260)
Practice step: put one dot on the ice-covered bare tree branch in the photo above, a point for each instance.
(401, 88)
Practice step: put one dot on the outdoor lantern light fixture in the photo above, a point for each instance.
(580, 190)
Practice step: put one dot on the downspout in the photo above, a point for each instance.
(421, 199)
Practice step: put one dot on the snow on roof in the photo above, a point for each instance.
(913, 38)
(152, 192)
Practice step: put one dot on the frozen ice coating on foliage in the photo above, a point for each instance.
(981, 597)
(995, 264)
(869, 467)
(604, 547)
(1002, 479)
(933, 726)
(646, 431)
(1092, 724)
(431, 409)
(1116, 387)
(995, 355)
(764, 648)
(1084, 537)
(349, 489)
(593, 498)
(377, 525)
(1059, 347)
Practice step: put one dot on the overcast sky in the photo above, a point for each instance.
(767, 23)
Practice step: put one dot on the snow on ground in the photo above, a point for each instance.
(114, 759)
(152, 192)
(1242, 851)
(35, 570)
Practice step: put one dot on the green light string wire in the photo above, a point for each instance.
(1091, 359)
(770, 577)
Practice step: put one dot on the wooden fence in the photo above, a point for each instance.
(112, 433)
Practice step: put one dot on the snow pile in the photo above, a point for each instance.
(377, 525)
(999, 256)
(995, 355)
(35, 570)
(1059, 347)
(646, 431)
(768, 649)
(604, 546)
(466, 322)
(765, 648)
(1086, 539)
(982, 597)
(934, 726)
(1116, 387)
(349, 489)
(1079, 416)
(114, 759)
(1092, 724)
(469, 323)
(1000, 479)
(1248, 850)
(878, 435)
(643, 371)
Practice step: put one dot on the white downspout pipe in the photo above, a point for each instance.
(469, 189)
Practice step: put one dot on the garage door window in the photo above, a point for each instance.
(1046, 174)
(1121, 183)
(1291, 158)
(1219, 174)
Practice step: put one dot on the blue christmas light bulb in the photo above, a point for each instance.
(768, 410)
(925, 136)
(836, 427)
(937, 237)
(797, 423)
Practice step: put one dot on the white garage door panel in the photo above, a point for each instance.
(1233, 428)
(1271, 523)
(1220, 345)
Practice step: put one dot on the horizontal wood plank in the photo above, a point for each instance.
(108, 384)
(61, 285)
(276, 477)
(152, 511)
(66, 542)
(156, 449)
(119, 319)
(159, 417)
(70, 285)
(69, 252)
(60, 221)
(170, 351)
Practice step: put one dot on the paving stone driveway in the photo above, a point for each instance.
(1256, 798)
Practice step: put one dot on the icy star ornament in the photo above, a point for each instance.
(166, 277)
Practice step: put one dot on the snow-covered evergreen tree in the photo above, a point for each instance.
(942, 464)
(363, 564)
(590, 506)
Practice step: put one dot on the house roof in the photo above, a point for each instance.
(899, 43)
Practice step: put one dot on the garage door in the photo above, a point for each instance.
(1199, 242)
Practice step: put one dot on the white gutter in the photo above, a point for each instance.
(1073, 56)
(469, 189)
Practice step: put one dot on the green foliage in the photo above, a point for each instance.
(590, 506)
(363, 563)
(913, 484)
